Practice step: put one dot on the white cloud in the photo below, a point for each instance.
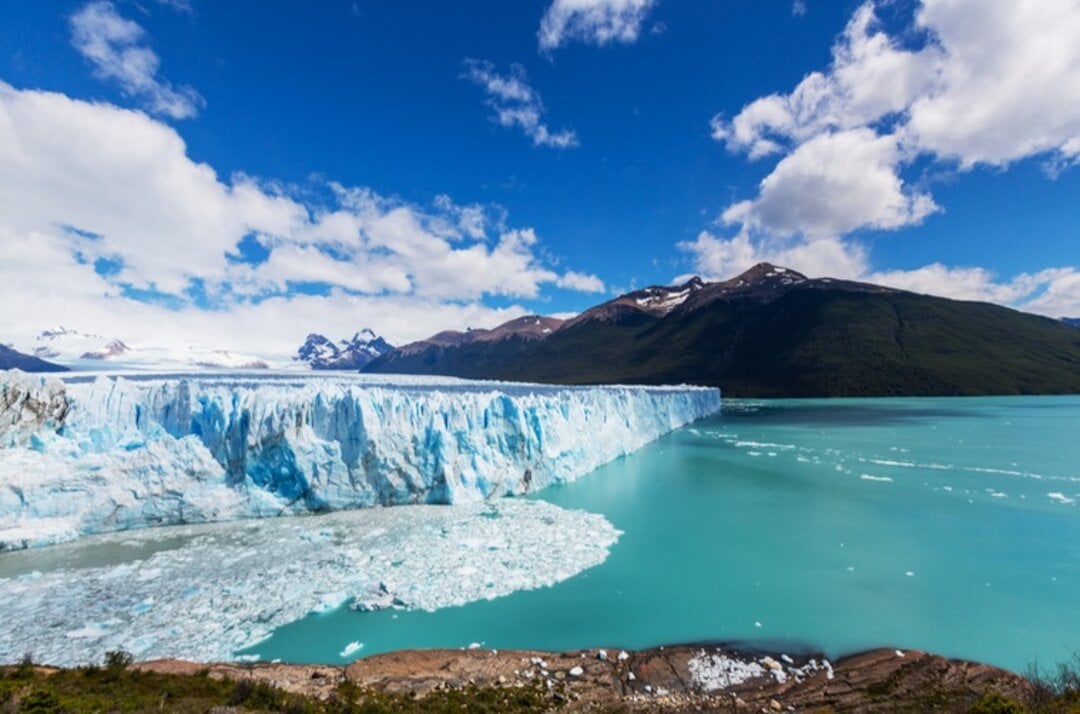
(597, 22)
(1008, 81)
(82, 182)
(116, 47)
(831, 185)
(581, 282)
(870, 78)
(515, 103)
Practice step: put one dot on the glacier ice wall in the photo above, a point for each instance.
(96, 454)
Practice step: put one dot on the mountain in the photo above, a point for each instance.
(11, 359)
(353, 353)
(60, 343)
(88, 351)
(773, 332)
(478, 351)
(1071, 321)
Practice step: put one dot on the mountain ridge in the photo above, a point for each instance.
(352, 353)
(773, 332)
(10, 358)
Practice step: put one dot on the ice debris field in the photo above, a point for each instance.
(205, 591)
(93, 454)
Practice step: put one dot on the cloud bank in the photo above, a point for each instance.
(107, 225)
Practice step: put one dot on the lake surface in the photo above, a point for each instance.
(948, 525)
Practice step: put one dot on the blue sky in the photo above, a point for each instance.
(631, 151)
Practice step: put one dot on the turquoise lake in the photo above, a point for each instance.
(949, 525)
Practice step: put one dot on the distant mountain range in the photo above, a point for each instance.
(352, 354)
(13, 359)
(770, 332)
(84, 350)
(1071, 321)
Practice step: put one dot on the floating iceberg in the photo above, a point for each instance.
(205, 591)
(94, 454)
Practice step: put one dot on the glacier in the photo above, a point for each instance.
(97, 453)
(203, 592)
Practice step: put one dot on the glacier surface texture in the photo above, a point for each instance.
(92, 454)
(202, 592)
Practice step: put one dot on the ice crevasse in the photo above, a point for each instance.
(92, 454)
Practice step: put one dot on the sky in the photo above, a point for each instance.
(240, 174)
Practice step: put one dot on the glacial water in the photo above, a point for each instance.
(949, 525)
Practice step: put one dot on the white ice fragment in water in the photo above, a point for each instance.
(871, 477)
(910, 573)
(757, 624)
(474, 645)
(351, 648)
(1060, 498)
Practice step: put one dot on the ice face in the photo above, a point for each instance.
(205, 591)
(105, 453)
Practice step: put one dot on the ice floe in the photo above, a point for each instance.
(205, 591)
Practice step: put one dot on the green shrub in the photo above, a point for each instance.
(994, 703)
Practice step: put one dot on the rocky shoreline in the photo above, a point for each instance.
(677, 678)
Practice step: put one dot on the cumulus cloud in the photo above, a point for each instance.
(968, 83)
(831, 185)
(100, 205)
(994, 82)
(116, 47)
(596, 22)
(516, 104)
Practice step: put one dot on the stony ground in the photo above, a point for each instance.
(682, 678)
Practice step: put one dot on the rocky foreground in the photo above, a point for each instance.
(681, 678)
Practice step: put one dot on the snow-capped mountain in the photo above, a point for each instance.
(64, 345)
(353, 353)
(89, 351)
